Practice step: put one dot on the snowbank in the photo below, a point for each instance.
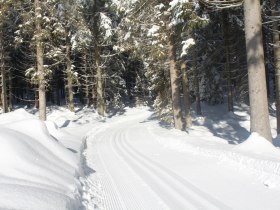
(36, 171)
(255, 153)
(256, 144)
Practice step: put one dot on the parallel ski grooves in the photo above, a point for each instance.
(199, 197)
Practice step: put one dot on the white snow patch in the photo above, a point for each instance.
(256, 144)
(186, 45)
(174, 3)
(153, 32)
(36, 171)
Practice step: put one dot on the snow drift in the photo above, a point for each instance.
(36, 171)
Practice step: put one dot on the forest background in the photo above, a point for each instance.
(108, 54)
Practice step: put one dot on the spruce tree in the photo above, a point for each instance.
(256, 69)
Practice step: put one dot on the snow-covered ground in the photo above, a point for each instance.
(40, 163)
(131, 161)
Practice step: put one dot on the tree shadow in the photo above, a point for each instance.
(221, 123)
(224, 124)
(72, 150)
(65, 124)
(115, 111)
(163, 124)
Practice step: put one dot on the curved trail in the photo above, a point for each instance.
(135, 172)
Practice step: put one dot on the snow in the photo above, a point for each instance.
(127, 36)
(258, 145)
(36, 171)
(153, 31)
(132, 153)
(174, 3)
(78, 160)
(106, 25)
(160, 6)
(186, 45)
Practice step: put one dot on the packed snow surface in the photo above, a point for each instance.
(81, 161)
(137, 164)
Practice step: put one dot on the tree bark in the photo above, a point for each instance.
(196, 86)
(85, 71)
(92, 85)
(99, 83)
(174, 78)
(276, 41)
(36, 98)
(4, 89)
(187, 102)
(99, 70)
(10, 91)
(87, 91)
(3, 73)
(226, 35)
(256, 69)
(69, 76)
(40, 62)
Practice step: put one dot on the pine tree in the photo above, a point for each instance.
(276, 47)
(186, 92)
(106, 68)
(6, 27)
(40, 60)
(2, 62)
(226, 35)
(256, 69)
(174, 79)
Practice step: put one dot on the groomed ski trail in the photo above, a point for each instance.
(133, 171)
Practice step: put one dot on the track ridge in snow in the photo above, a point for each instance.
(181, 187)
(136, 170)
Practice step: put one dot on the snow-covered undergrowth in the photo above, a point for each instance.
(36, 170)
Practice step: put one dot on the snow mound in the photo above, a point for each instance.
(37, 129)
(17, 115)
(255, 154)
(258, 145)
(36, 171)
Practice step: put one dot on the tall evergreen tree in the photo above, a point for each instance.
(256, 69)
(6, 41)
(40, 60)
(276, 47)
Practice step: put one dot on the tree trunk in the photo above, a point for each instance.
(99, 83)
(69, 76)
(4, 89)
(256, 69)
(187, 102)
(86, 85)
(226, 35)
(40, 62)
(86, 91)
(36, 98)
(10, 91)
(99, 70)
(276, 42)
(92, 93)
(175, 88)
(196, 87)
(3, 73)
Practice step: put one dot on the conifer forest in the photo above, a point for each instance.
(108, 54)
(139, 104)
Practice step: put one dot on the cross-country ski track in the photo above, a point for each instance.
(130, 168)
